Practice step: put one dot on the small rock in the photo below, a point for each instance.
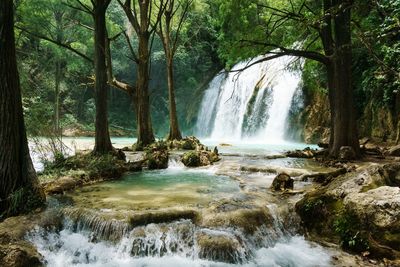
(282, 182)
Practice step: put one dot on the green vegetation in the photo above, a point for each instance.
(347, 226)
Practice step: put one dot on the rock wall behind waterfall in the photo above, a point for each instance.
(309, 120)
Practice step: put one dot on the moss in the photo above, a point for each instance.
(191, 159)
(318, 213)
(23, 200)
(157, 155)
(349, 228)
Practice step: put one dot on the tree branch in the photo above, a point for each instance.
(66, 46)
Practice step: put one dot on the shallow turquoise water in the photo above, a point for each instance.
(157, 189)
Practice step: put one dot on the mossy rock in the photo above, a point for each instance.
(187, 143)
(282, 182)
(191, 159)
(157, 156)
(220, 247)
(199, 158)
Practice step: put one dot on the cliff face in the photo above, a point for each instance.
(309, 118)
(309, 121)
(379, 123)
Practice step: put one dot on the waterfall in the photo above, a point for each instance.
(251, 104)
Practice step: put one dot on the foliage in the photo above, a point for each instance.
(352, 237)
(196, 62)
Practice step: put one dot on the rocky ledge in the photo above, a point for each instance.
(359, 210)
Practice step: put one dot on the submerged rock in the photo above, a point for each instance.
(282, 182)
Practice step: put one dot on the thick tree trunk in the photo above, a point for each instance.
(102, 140)
(344, 118)
(145, 134)
(174, 132)
(19, 187)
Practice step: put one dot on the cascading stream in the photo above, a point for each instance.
(179, 243)
(252, 104)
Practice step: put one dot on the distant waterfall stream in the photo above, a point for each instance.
(250, 104)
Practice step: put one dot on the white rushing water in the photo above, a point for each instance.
(249, 105)
(172, 245)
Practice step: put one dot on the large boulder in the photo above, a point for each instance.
(282, 182)
(359, 208)
(380, 207)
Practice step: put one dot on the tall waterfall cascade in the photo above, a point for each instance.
(252, 104)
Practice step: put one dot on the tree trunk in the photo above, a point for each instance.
(102, 140)
(57, 99)
(174, 132)
(344, 117)
(19, 187)
(145, 134)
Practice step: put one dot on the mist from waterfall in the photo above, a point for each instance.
(250, 105)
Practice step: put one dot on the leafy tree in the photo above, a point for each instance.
(169, 37)
(319, 31)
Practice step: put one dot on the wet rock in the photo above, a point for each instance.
(14, 250)
(199, 158)
(221, 247)
(61, 185)
(249, 220)
(347, 153)
(162, 216)
(186, 143)
(191, 159)
(359, 209)
(274, 169)
(323, 177)
(157, 156)
(282, 182)
(394, 151)
(305, 153)
(223, 144)
(19, 254)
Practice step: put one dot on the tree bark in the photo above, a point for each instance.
(174, 132)
(19, 187)
(57, 99)
(169, 45)
(102, 139)
(145, 134)
(344, 118)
